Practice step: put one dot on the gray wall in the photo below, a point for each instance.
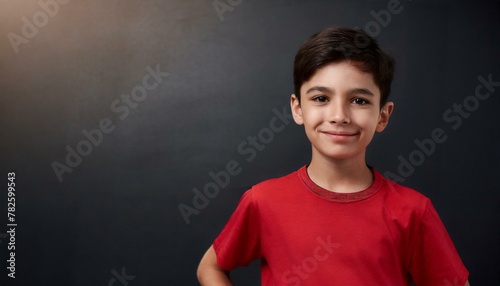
(117, 208)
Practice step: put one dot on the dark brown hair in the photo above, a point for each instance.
(339, 44)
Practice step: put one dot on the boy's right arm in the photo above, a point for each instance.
(209, 273)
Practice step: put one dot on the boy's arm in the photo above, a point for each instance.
(467, 283)
(209, 273)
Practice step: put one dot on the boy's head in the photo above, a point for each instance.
(338, 44)
(342, 81)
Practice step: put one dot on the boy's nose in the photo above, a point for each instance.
(339, 114)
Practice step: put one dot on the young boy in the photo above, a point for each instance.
(337, 221)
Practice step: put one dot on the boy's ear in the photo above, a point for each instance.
(383, 118)
(296, 109)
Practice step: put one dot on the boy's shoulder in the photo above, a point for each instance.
(403, 193)
(285, 181)
(277, 187)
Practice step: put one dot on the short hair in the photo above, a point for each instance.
(338, 44)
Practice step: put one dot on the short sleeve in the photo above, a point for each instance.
(434, 260)
(238, 244)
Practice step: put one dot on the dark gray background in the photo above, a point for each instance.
(119, 207)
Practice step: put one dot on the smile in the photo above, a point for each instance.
(340, 135)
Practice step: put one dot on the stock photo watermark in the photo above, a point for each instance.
(381, 19)
(249, 148)
(11, 224)
(30, 27)
(11, 266)
(454, 118)
(122, 278)
(302, 271)
(223, 6)
(120, 107)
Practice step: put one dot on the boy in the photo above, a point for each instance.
(337, 221)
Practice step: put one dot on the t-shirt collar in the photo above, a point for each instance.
(341, 197)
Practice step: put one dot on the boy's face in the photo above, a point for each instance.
(340, 111)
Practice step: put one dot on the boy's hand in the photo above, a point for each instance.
(209, 273)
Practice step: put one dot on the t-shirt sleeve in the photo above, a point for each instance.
(238, 244)
(434, 259)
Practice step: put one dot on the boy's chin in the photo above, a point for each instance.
(340, 155)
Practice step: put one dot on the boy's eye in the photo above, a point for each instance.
(360, 101)
(320, 98)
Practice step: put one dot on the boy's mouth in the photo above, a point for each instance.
(340, 135)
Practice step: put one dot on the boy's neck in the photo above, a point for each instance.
(340, 175)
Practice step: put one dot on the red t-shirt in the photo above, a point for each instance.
(306, 235)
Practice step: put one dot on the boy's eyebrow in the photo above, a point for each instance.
(360, 90)
(320, 88)
(324, 89)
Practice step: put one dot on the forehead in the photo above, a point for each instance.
(339, 77)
